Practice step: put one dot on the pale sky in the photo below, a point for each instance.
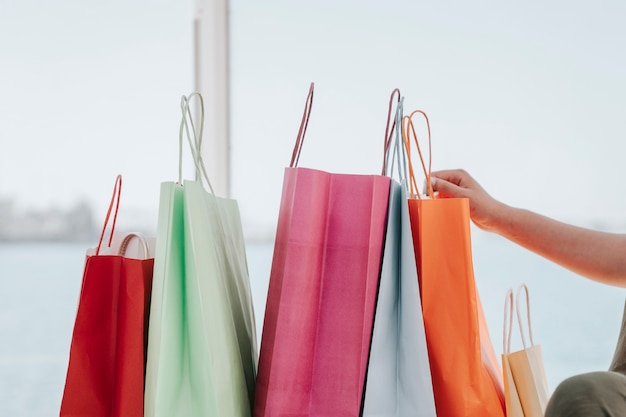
(528, 97)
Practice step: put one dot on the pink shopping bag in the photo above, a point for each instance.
(322, 291)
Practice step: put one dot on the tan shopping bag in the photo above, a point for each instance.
(525, 383)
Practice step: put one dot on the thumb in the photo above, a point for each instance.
(446, 188)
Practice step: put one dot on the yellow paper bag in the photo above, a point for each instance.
(525, 383)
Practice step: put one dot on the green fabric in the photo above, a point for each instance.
(594, 394)
(202, 349)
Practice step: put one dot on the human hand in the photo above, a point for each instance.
(459, 184)
(590, 253)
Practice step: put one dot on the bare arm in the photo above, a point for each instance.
(600, 256)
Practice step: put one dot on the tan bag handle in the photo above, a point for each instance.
(524, 288)
(508, 322)
(508, 319)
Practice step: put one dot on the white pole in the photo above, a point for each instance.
(211, 80)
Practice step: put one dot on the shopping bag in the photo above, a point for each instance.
(398, 374)
(465, 372)
(322, 291)
(511, 397)
(525, 382)
(105, 375)
(201, 342)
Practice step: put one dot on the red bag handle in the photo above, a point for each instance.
(115, 199)
(295, 156)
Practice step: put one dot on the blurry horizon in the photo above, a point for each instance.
(526, 97)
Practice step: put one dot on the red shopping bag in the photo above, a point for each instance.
(105, 375)
(322, 291)
(467, 380)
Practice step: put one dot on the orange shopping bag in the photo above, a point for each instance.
(467, 380)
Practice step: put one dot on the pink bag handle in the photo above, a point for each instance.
(115, 199)
(295, 156)
(388, 131)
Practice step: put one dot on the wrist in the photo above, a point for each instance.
(497, 218)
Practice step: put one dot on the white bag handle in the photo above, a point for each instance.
(128, 238)
(194, 138)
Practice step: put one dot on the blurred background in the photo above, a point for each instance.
(528, 97)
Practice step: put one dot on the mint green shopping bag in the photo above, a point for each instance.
(202, 353)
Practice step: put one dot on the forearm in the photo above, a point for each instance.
(596, 255)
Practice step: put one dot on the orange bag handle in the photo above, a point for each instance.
(388, 132)
(115, 200)
(295, 156)
(408, 133)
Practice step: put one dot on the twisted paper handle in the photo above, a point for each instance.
(194, 138)
(115, 200)
(408, 133)
(295, 156)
